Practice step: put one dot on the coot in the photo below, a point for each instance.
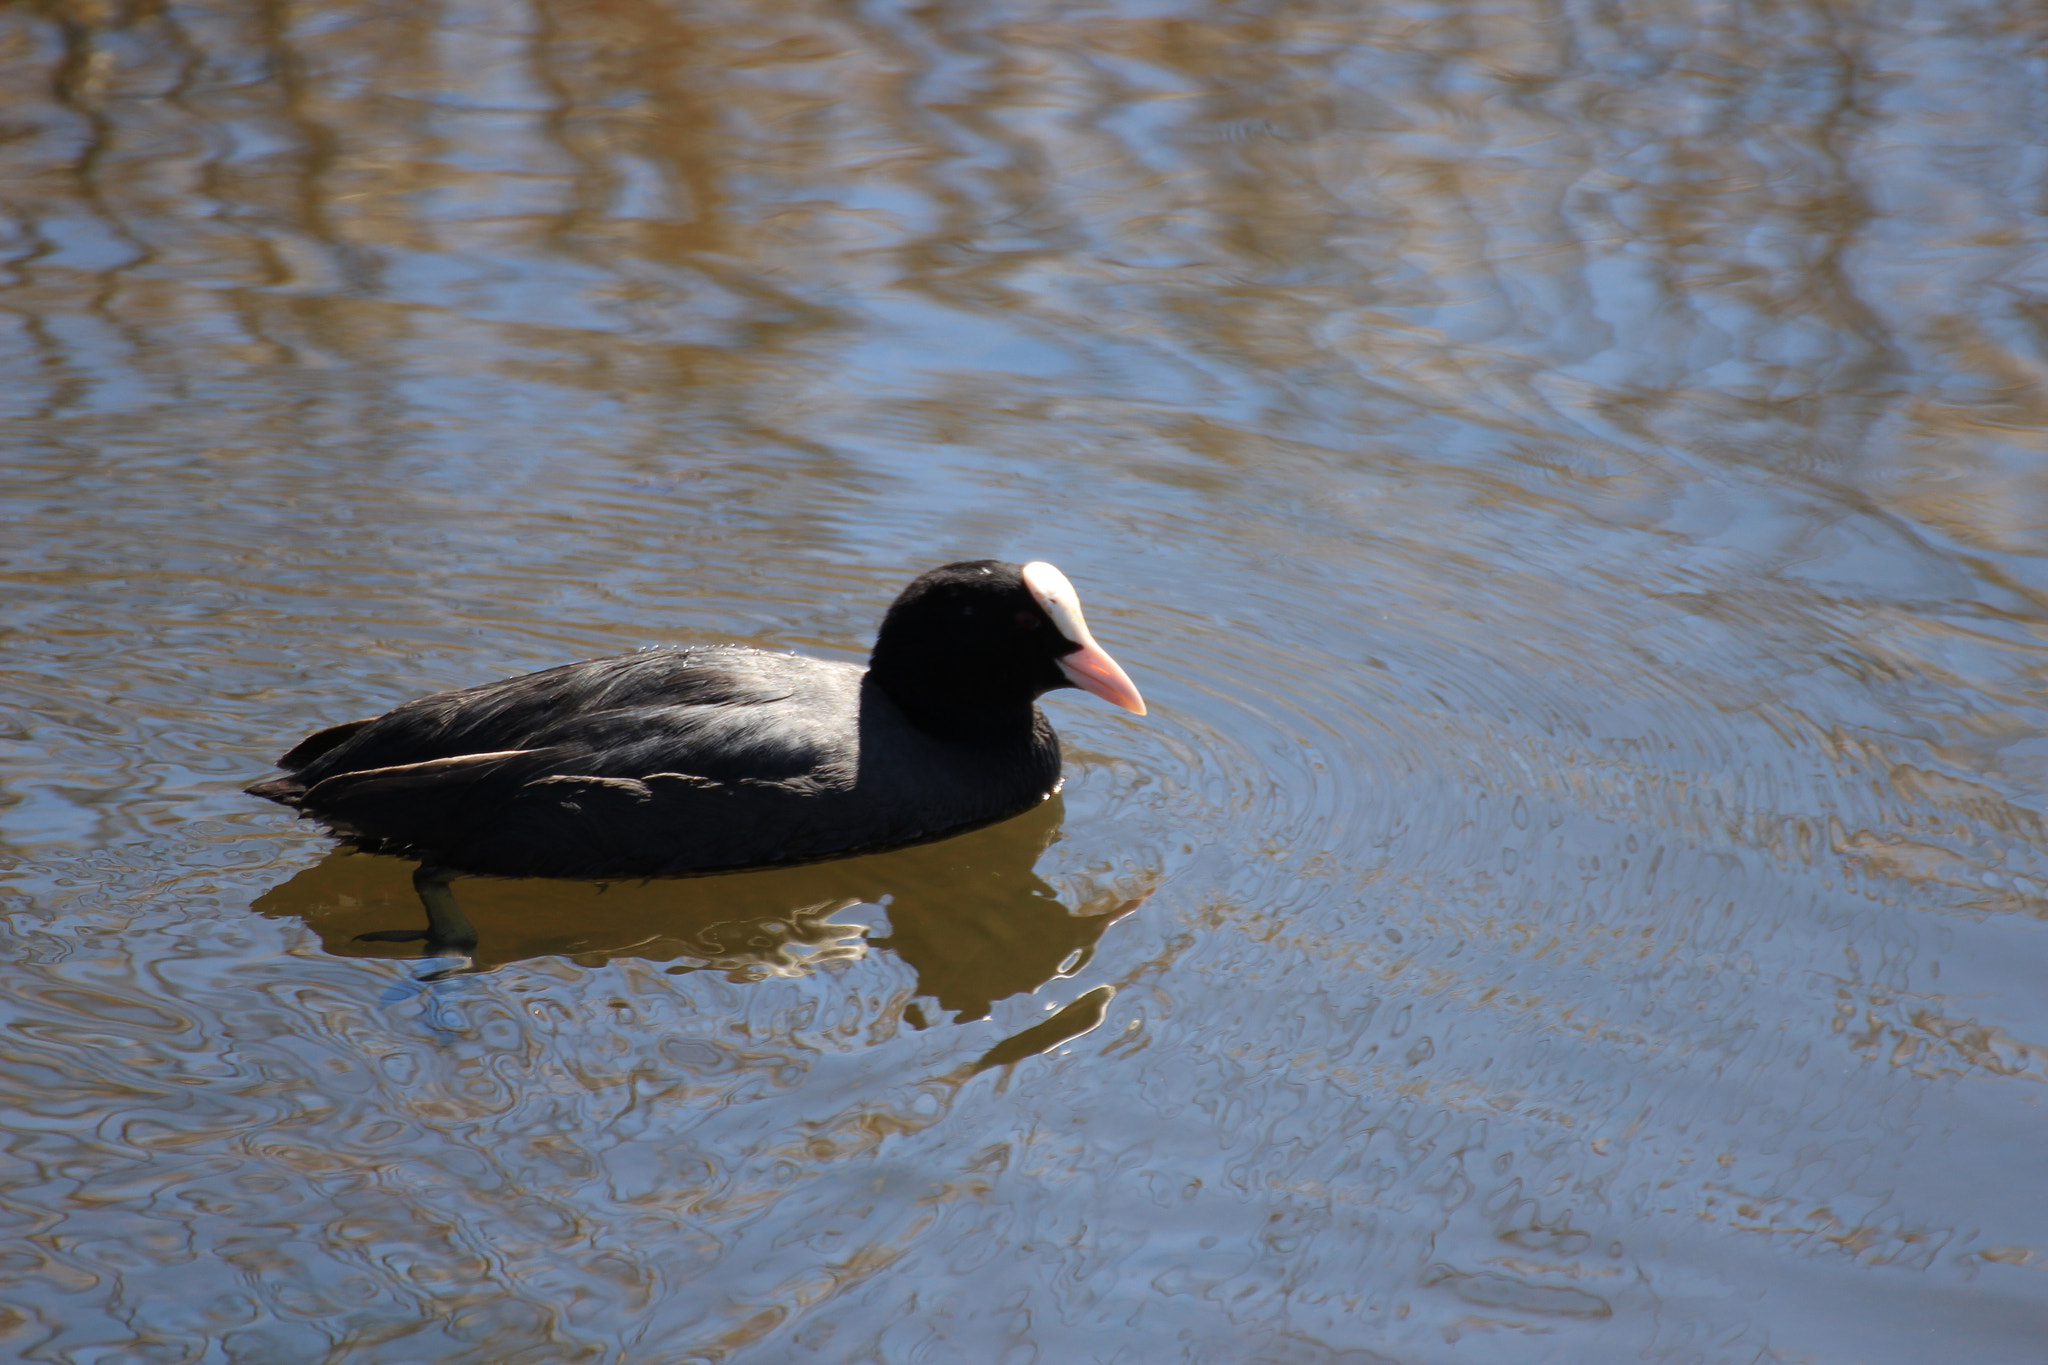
(719, 758)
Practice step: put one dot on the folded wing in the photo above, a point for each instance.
(635, 765)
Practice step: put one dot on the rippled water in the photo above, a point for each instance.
(1569, 479)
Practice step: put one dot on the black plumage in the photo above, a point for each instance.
(705, 758)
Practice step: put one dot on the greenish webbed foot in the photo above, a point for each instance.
(448, 930)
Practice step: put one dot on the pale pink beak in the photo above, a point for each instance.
(1091, 670)
(1088, 668)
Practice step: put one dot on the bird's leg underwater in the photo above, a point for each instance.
(447, 926)
(448, 929)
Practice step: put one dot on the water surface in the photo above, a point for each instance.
(1568, 478)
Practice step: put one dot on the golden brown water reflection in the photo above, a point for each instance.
(1569, 478)
(968, 915)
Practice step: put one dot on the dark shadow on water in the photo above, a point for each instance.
(970, 915)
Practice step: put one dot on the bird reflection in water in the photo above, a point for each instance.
(970, 915)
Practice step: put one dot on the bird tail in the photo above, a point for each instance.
(286, 791)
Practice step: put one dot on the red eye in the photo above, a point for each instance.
(1028, 620)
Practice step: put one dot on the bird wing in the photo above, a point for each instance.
(517, 712)
(322, 741)
(618, 793)
(420, 804)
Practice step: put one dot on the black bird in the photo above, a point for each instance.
(721, 757)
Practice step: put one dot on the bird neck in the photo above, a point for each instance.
(951, 707)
